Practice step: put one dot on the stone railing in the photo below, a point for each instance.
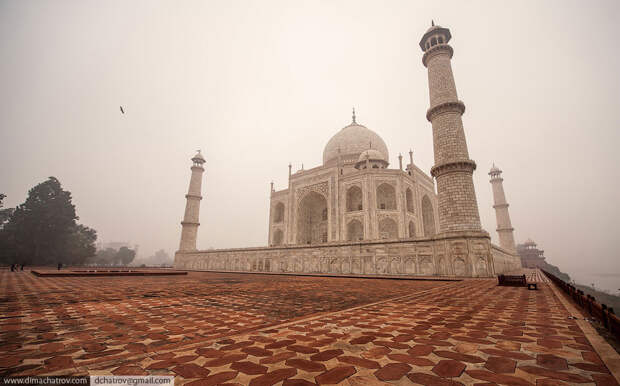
(463, 254)
(588, 303)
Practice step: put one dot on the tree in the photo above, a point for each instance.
(125, 255)
(111, 256)
(43, 230)
(160, 257)
(81, 244)
(6, 213)
(104, 257)
(6, 243)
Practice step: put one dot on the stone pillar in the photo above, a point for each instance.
(504, 227)
(189, 230)
(457, 205)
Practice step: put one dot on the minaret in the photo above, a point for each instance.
(190, 222)
(400, 161)
(457, 205)
(504, 227)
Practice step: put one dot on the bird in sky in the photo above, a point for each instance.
(122, 111)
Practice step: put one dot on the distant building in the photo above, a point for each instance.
(531, 256)
(504, 226)
(114, 245)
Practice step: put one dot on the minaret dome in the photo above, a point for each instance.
(434, 35)
(198, 159)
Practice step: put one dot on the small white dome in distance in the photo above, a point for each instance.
(198, 158)
(372, 155)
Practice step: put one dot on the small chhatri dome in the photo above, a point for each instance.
(371, 158)
(435, 30)
(372, 155)
(351, 141)
(494, 170)
(198, 158)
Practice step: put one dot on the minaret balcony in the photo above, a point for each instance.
(437, 50)
(446, 107)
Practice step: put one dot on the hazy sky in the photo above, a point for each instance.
(256, 84)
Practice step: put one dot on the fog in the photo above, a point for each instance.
(258, 84)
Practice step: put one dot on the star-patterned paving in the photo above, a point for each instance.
(247, 329)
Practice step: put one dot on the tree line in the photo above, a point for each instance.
(111, 256)
(44, 231)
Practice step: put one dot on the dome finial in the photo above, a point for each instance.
(198, 159)
(432, 23)
(354, 115)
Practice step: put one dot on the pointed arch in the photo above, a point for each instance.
(388, 229)
(409, 265)
(409, 199)
(386, 197)
(278, 213)
(428, 218)
(312, 219)
(278, 237)
(354, 199)
(426, 266)
(459, 267)
(411, 229)
(441, 266)
(481, 267)
(355, 231)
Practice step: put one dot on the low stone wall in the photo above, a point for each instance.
(505, 261)
(465, 255)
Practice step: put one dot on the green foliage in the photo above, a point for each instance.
(111, 256)
(160, 258)
(5, 213)
(43, 230)
(104, 257)
(81, 244)
(556, 272)
(125, 255)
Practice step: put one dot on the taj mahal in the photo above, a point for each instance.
(354, 215)
(367, 200)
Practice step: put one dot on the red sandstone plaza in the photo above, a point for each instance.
(251, 329)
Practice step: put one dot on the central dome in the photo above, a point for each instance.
(351, 141)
